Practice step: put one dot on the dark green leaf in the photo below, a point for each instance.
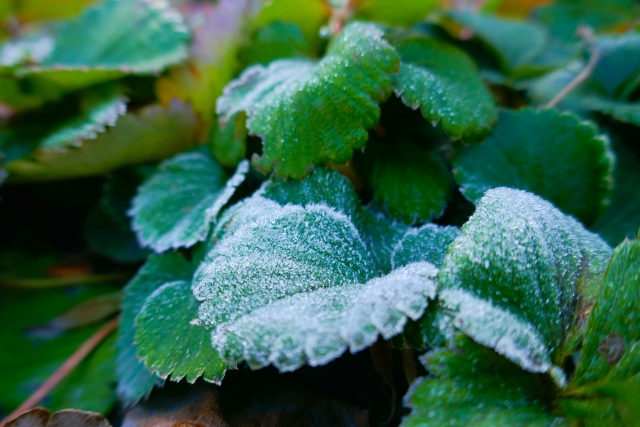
(622, 217)
(276, 41)
(134, 380)
(618, 70)
(167, 341)
(411, 183)
(176, 205)
(445, 84)
(516, 274)
(625, 112)
(547, 153)
(337, 98)
(229, 143)
(473, 386)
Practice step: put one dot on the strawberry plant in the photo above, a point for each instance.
(336, 212)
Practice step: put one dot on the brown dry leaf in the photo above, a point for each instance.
(38, 417)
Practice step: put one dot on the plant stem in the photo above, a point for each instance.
(65, 369)
(586, 33)
(52, 282)
(409, 365)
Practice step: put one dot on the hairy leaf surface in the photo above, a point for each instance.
(175, 207)
(338, 98)
(444, 83)
(427, 243)
(552, 155)
(167, 341)
(475, 386)
(514, 277)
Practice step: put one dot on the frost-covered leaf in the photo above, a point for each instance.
(412, 184)
(152, 133)
(427, 243)
(317, 326)
(29, 357)
(626, 112)
(606, 384)
(115, 38)
(553, 155)
(444, 83)
(167, 341)
(618, 70)
(229, 143)
(393, 12)
(276, 41)
(327, 186)
(134, 380)
(516, 44)
(517, 274)
(473, 386)
(622, 217)
(175, 206)
(278, 261)
(563, 17)
(309, 113)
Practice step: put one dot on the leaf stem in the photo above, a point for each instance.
(341, 15)
(409, 365)
(52, 282)
(587, 35)
(65, 369)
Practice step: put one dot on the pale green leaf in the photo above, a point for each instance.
(473, 386)
(427, 243)
(337, 99)
(309, 16)
(167, 341)
(134, 380)
(444, 83)
(517, 274)
(115, 38)
(152, 133)
(553, 155)
(175, 206)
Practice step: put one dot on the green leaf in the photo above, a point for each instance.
(563, 17)
(608, 372)
(152, 133)
(445, 84)
(116, 38)
(428, 243)
(29, 357)
(550, 154)
(169, 344)
(618, 70)
(395, 13)
(516, 275)
(473, 386)
(327, 186)
(336, 97)
(622, 217)
(229, 143)
(309, 18)
(290, 253)
(276, 41)
(412, 184)
(516, 44)
(134, 380)
(175, 206)
(625, 112)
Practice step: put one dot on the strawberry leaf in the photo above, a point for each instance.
(175, 206)
(445, 84)
(338, 97)
(516, 274)
(547, 153)
(428, 243)
(169, 344)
